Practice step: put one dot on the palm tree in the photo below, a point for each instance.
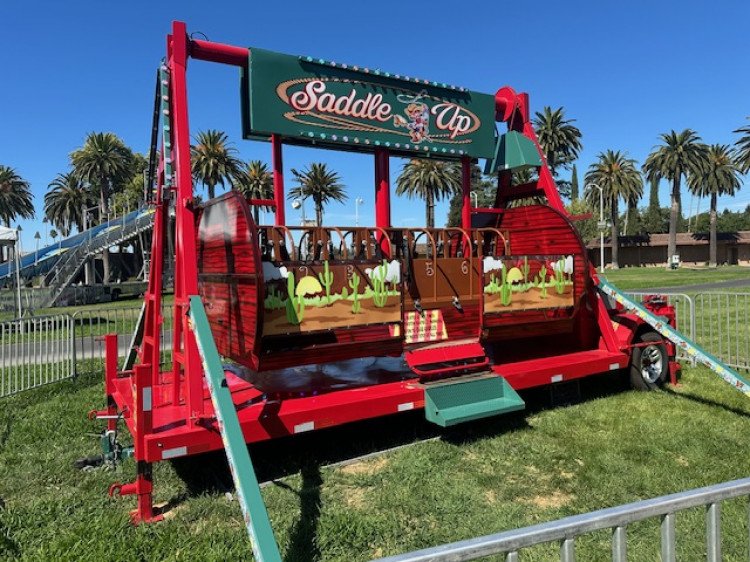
(103, 163)
(559, 138)
(254, 181)
(720, 176)
(15, 196)
(320, 183)
(431, 180)
(681, 154)
(742, 146)
(65, 202)
(618, 177)
(213, 160)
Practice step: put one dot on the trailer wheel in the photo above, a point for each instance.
(649, 364)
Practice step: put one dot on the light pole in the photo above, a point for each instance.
(357, 202)
(300, 204)
(602, 225)
(37, 237)
(475, 198)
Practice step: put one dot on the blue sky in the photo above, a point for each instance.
(626, 71)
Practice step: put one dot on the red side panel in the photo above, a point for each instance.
(229, 276)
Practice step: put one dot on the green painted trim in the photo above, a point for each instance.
(462, 400)
(691, 348)
(513, 151)
(254, 511)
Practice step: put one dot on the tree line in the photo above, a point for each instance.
(106, 176)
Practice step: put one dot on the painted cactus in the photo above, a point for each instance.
(506, 294)
(543, 282)
(354, 284)
(326, 279)
(380, 293)
(295, 305)
(559, 277)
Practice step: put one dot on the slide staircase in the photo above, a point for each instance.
(113, 233)
(690, 347)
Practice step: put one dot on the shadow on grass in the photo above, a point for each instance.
(302, 544)
(285, 456)
(707, 402)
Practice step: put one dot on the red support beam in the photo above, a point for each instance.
(466, 192)
(278, 179)
(218, 52)
(186, 357)
(383, 195)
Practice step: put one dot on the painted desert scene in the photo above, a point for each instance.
(527, 283)
(321, 296)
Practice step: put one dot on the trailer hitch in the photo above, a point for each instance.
(112, 451)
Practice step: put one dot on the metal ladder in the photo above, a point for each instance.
(73, 261)
(692, 349)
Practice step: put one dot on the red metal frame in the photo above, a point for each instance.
(170, 414)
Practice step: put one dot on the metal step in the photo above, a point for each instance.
(464, 399)
(447, 358)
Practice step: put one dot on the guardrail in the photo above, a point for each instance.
(35, 351)
(91, 325)
(723, 326)
(566, 531)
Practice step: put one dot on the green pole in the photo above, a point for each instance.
(254, 511)
(693, 349)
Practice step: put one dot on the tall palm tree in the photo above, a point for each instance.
(319, 183)
(559, 138)
(431, 180)
(65, 202)
(15, 196)
(720, 176)
(103, 163)
(254, 181)
(681, 154)
(213, 160)
(619, 178)
(742, 146)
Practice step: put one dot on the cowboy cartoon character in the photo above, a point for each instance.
(419, 121)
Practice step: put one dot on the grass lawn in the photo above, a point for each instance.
(615, 446)
(631, 278)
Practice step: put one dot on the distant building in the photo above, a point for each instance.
(732, 248)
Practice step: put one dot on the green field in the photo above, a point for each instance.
(632, 278)
(615, 446)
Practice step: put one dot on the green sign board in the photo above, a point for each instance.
(315, 102)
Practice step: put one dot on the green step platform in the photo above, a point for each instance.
(464, 399)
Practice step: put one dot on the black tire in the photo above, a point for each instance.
(649, 365)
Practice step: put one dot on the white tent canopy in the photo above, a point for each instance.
(8, 236)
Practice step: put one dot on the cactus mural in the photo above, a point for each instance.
(324, 295)
(523, 282)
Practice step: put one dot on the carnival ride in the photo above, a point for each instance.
(281, 329)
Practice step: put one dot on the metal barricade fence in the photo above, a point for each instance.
(566, 531)
(35, 351)
(684, 307)
(92, 325)
(723, 328)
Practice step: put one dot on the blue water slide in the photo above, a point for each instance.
(41, 262)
